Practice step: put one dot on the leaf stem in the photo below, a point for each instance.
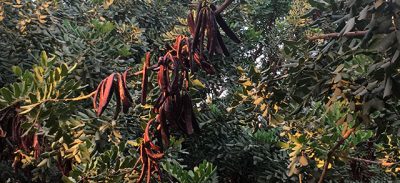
(57, 100)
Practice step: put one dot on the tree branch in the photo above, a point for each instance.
(337, 35)
(334, 148)
(348, 34)
(223, 6)
(383, 163)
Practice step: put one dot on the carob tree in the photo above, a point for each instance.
(174, 107)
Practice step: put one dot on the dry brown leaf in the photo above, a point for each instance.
(108, 3)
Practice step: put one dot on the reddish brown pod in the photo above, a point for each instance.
(207, 24)
(114, 83)
(173, 107)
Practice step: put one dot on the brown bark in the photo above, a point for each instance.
(223, 6)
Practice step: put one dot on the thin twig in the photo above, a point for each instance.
(337, 35)
(369, 161)
(348, 34)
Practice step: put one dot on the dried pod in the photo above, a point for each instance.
(188, 114)
(161, 118)
(105, 94)
(224, 26)
(221, 43)
(197, 32)
(118, 94)
(148, 170)
(143, 160)
(211, 31)
(122, 93)
(176, 77)
(191, 24)
(125, 84)
(96, 94)
(203, 29)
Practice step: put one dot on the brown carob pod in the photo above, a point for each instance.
(176, 77)
(143, 159)
(203, 30)
(161, 119)
(105, 94)
(152, 150)
(118, 96)
(125, 86)
(191, 23)
(96, 94)
(115, 82)
(197, 33)
(160, 100)
(211, 31)
(224, 26)
(123, 92)
(188, 115)
(178, 46)
(148, 170)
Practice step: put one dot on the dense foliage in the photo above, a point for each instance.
(279, 91)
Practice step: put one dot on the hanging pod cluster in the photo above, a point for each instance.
(207, 24)
(173, 107)
(114, 83)
(15, 136)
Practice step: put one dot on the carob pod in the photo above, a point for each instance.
(191, 23)
(188, 114)
(143, 159)
(96, 94)
(197, 32)
(126, 98)
(224, 26)
(222, 44)
(118, 98)
(211, 31)
(105, 94)
(203, 30)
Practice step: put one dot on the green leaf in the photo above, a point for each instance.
(198, 84)
(17, 90)
(57, 75)
(39, 73)
(7, 94)
(64, 70)
(33, 98)
(43, 58)
(17, 70)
